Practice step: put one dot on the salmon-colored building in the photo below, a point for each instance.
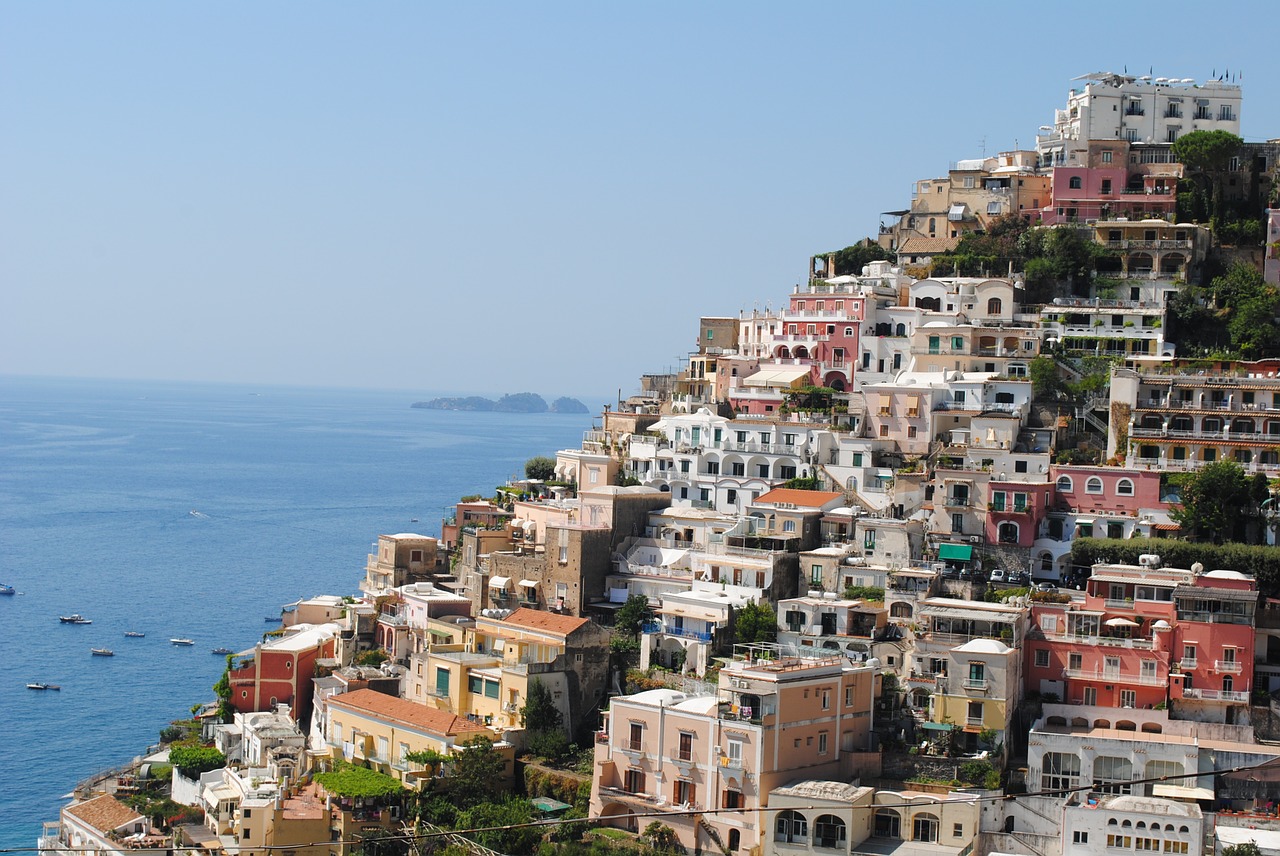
(280, 671)
(1146, 636)
(774, 719)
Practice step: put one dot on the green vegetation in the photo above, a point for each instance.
(633, 614)
(355, 782)
(540, 467)
(755, 622)
(1221, 503)
(807, 483)
(376, 657)
(852, 259)
(1260, 562)
(980, 774)
(192, 760)
(1234, 314)
(544, 723)
(661, 840)
(869, 593)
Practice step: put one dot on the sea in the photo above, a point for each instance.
(196, 511)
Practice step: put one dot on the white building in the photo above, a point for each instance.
(1136, 109)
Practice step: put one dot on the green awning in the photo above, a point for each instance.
(938, 726)
(547, 805)
(955, 552)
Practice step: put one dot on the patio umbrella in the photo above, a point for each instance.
(1121, 622)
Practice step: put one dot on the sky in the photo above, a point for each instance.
(499, 197)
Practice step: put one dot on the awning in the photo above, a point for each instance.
(1084, 521)
(938, 726)
(777, 377)
(956, 212)
(1182, 792)
(440, 634)
(1121, 622)
(1167, 527)
(955, 552)
(529, 583)
(499, 582)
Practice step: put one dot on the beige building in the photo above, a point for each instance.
(820, 817)
(102, 825)
(400, 560)
(773, 719)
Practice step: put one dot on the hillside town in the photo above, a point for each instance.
(964, 544)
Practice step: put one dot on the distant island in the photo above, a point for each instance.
(520, 402)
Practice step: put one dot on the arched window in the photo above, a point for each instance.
(901, 330)
(791, 827)
(933, 225)
(994, 306)
(829, 832)
(1064, 484)
(788, 526)
(924, 827)
(1046, 563)
(900, 609)
(888, 824)
(1124, 487)
(1093, 485)
(1075, 183)
(848, 331)
(1008, 533)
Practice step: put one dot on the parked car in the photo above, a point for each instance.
(1018, 578)
(1050, 587)
(998, 576)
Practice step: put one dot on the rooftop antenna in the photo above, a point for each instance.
(983, 143)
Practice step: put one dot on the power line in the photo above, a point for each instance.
(414, 838)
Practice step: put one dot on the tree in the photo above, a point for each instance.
(1206, 155)
(632, 615)
(1216, 502)
(853, 258)
(544, 723)
(661, 839)
(486, 815)
(478, 773)
(1044, 377)
(755, 622)
(540, 467)
(1244, 848)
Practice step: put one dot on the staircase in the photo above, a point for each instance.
(711, 833)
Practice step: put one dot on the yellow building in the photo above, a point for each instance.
(486, 678)
(379, 731)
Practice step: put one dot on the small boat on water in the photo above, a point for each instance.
(222, 651)
(270, 619)
(102, 652)
(6, 589)
(183, 641)
(134, 634)
(40, 686)
(74, 618)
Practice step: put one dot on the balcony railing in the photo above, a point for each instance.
(974, 720)
(1215, 695)
(1114, 676)
(1233, 666)
(975, 684)
(1187, 664)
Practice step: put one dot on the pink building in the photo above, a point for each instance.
(1015, 510)
(820, 328)
(1143, 636)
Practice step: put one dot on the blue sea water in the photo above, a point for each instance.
(194, 511)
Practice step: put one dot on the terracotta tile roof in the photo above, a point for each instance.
(386, 707)
(804, 498)
(104, 813)
(536, 619)
(922, 246)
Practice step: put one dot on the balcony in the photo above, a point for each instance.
(974, 721)
(1232, 666)
(1114, 677)
(979, 684)
(1230, 696)
(956, 502)
(1187, 664)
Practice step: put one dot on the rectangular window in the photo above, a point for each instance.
(826, 700)
(686, 793)
(637, 737)
(491, 689)
(1079, 836)
(633, 781)
(815, 574)
(734, 753)
(475, 684)
(685, 752)
(1090, 695)
(384, 749)
(1128, 698)
(822, 743)
(1042, 658)
(869, 539)
(1074, 660)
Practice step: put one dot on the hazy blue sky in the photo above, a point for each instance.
(499, 197)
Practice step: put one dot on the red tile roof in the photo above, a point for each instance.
(802, 498)
(385, 707)
(104, 813)
(536, 619)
